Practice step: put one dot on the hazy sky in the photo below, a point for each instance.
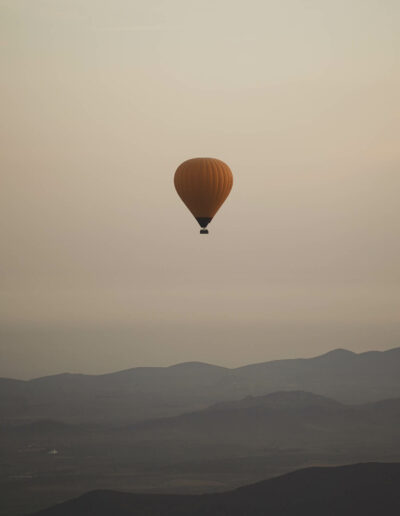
(102, 266)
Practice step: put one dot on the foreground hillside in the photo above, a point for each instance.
(360, 489)
(143, 393)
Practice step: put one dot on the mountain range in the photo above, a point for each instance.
(223, 446)
(151, 392)
(193, 428)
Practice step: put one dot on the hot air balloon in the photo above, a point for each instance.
(203, 184)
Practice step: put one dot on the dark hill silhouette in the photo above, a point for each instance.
(355, 490)
(150, 392)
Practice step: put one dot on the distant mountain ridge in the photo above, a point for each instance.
(369, 489)
(150, 392)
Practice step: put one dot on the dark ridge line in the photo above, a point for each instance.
(333, 352)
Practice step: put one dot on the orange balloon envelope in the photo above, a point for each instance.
(203, 184)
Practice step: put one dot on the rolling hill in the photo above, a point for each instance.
(360, 489)
(285, 419)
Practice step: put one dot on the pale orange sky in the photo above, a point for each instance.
(102, 267)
